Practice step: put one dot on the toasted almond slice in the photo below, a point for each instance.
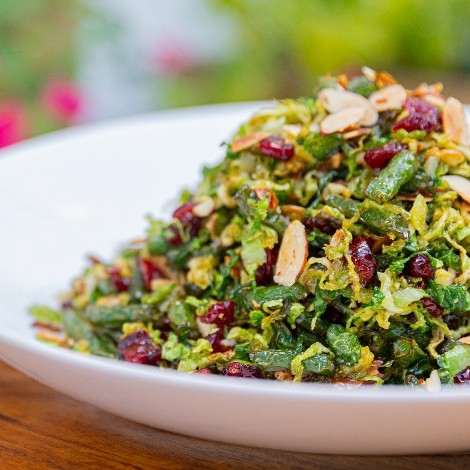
(369, 73)
(292, 254)
(436, 101)
(424, 89)
(204, 328)
(454, 121)
(384, 78)
(465, 340)
(292, 129)
(204, 207)
(389, 97)
(341, 120)
(293, 212)
(433, 383)
(332, 163)
(356, 133)
(336, 100)
(343, 81)
(244, 142)
(459, 184)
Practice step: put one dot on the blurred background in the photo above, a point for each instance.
(67, 62)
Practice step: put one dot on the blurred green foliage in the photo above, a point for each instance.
(283, 45)
(37, 42)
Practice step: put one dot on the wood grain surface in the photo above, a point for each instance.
(43, 429)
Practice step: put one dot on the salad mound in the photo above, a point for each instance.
(329, 245)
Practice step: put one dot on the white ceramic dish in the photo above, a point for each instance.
(88, 189)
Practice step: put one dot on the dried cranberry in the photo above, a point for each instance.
(420, 266)
(364, 262)
(120, 283)
(140, 348)
(190, 222)
(433, 308)
(236, 369)
(328, 226)
(204, 371)
(276, 147)
(149, 272)
(422, 117)
(379, 157)
(221, 313)
(264, 274)
(463, 377)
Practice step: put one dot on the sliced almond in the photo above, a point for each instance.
(459, 184)
(204, 207)
(292, 254)
(293, 212)
(433, 383)
(356, 133)
(384, 78)
(465, 340)
(369, 73)
(343, 81)
(204, 328)
(424, 89)
(389, 97)
(244, 142)
(436, 101)
(336, 100)
(333, 163)
(454, 121)
(341, 120)
(292, 129)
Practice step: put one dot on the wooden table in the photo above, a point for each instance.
(43, 429)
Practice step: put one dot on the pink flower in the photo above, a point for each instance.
(62, 100)
(172, 58)
(13, 122)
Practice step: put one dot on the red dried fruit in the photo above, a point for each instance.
(276, 147)
(120, 283)
(328, 226)
(236, 369)
(361, 256)
(190, 222)
(221, 313)
(420, 266)
(423, 117)
(204, 371)
(139, 347)
(433, 308)
(379, 157)
(463, 377)
(264, 274)
(149, 272)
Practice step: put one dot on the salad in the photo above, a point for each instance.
(329, 245)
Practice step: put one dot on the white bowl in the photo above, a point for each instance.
(87, 189)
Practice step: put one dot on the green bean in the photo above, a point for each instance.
(399, 171)
(376, 217)
(261, 295)
(116, 316)
(79, 329)
(274, 360)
